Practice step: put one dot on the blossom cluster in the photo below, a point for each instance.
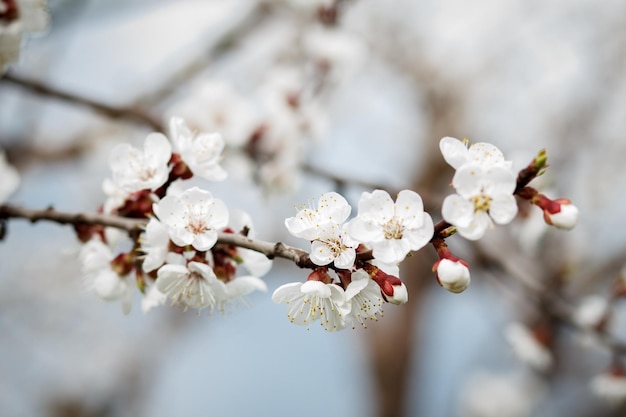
(354, 289)
(177, 257)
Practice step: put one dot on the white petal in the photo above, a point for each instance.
(333, 207)
(244, 285)
(287, 292)
(468, 180)
(391, 250)
(485, 154)
(457, 210)
(364, 231)
(321, 253)
(499, 180)
(418, 238)
(169, 275)
(477, 228)
(409, 208)
(256, 263)
(9, 178)
(346, 258)
(316, 288)
(503, 208)
(376, 206)
(157, 150)
(454, 152)
(205, 241)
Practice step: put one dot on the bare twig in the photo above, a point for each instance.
(126, 113)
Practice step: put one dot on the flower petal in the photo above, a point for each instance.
(477, 228)
(376, 206)
(454, 152)
(503, 208)
(457, 210)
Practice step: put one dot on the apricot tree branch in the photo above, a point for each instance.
(135, 226)
(127, 113)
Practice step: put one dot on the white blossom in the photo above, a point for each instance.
(217, 107)
(341, 51)
(135, 170)
(192, 218)
(96, 258)
(201, 152)
(9, 178)
(314, 300)
(153, 297)
(239, 287)
(591, 311)
(610, 387)
(457, 154)
(527, 348)
(365, 298)
(116, 196)
(194, 285)
(492, 395)
(324, 227)
(255, 262)
(454, 276)
(391, 229)
(154, 244)
(333, 245)
(485, 195)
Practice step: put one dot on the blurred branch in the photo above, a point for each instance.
(230, 39)
(125, 113)
(514, 265)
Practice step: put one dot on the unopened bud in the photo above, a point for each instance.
(400, 294)
(565, 218)
(392, 287)
(454, 276)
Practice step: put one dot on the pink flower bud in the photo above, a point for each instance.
(565, 218)
(453, 275)
(400, 295)
(392, 287)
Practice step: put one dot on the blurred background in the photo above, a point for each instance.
(344, 95)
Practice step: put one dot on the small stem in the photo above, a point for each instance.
(135, 226)
(113, 112)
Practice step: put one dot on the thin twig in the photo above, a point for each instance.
(126, 113)
(135, 226)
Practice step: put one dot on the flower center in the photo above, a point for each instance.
(336, 246)
(393, 229)
(191, 291)
(481, 202)
(197, 226)
(8, 11)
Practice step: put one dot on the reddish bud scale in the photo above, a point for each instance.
(137, 206)
(123, 264)
(320, 274)
(11, 11)
(619, 288)
(86, 232)
(225, 271)
(253, 148)
(544, 334)
(385, 281)
(179, 169)
(328, 15)
(617, 369)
